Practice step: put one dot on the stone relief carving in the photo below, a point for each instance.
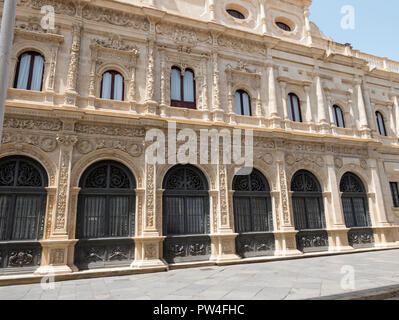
(109, 130)
(110, 50)
(304, 158)
(150, 197)
(85, 146)
(74, 58)
(32, 124)
(46, 143)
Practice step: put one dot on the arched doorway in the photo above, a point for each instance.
(253, 218)
(307, 203)
(23, 198)
(356, 211)
(186, 222)
(106, 214)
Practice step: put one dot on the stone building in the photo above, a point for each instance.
(77, 193)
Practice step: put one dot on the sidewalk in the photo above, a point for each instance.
(292, 279)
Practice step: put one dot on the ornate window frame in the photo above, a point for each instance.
(104, 54)
(30, 36)
(243, 78)
(198, 64)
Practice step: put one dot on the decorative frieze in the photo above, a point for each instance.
(46, 143)
(85, 146)
(32, 124)
(120, 131)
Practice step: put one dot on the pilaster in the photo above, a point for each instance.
(336, 228)
(150, 240)
(58, 246)
(285, 235)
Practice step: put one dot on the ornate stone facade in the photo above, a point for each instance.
(67, 126)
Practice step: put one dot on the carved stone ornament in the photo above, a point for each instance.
(33, 30)
(67, 140)
(305, 159)
(109, 130)
(31, 124)
(85, 146)
(46, 143)
(114, 42)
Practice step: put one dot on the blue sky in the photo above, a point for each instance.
(376, 24)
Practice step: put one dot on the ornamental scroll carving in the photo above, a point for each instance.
(112, 50)
(91, 12)
(74, 62)
(224, 209)
(110, 130)
(150, 197)
(67, 142)
(85, 146)
(46, 143)
(31, 124)
(242, 75)
(305, 159)
(284, 194)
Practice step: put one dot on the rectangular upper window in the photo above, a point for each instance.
(395, 194)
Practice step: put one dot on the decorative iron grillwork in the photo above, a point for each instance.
(106, 212)
(22, 199)
(186, 215)
(352, 184)
(252, 203)
(354, 201)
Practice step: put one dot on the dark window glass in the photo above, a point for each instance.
(22, 198)
(395, 194)
(185, 202)
(338, 117)
(29, 72)
(354, 201)
(236, 14)
(294, 108)
(381, 124)
(307, 201)
(182, 88)
(243, 103)
(106, 201)
(283, 26)
(112, 86)
(252, 203)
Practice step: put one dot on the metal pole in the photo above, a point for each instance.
(6, 40)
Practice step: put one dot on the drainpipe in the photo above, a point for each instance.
(6, 40)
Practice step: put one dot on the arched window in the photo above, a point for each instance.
(356, 211)
(307, 203)
(252, 204)
(23, 196)
(182, 88)
(112, 86)
(381, 124)
(354, 201)
(106, 211)
(243, 103)
(338, 117)
(253, 217)
(186, 215)
(294, 108)
(29, 72)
